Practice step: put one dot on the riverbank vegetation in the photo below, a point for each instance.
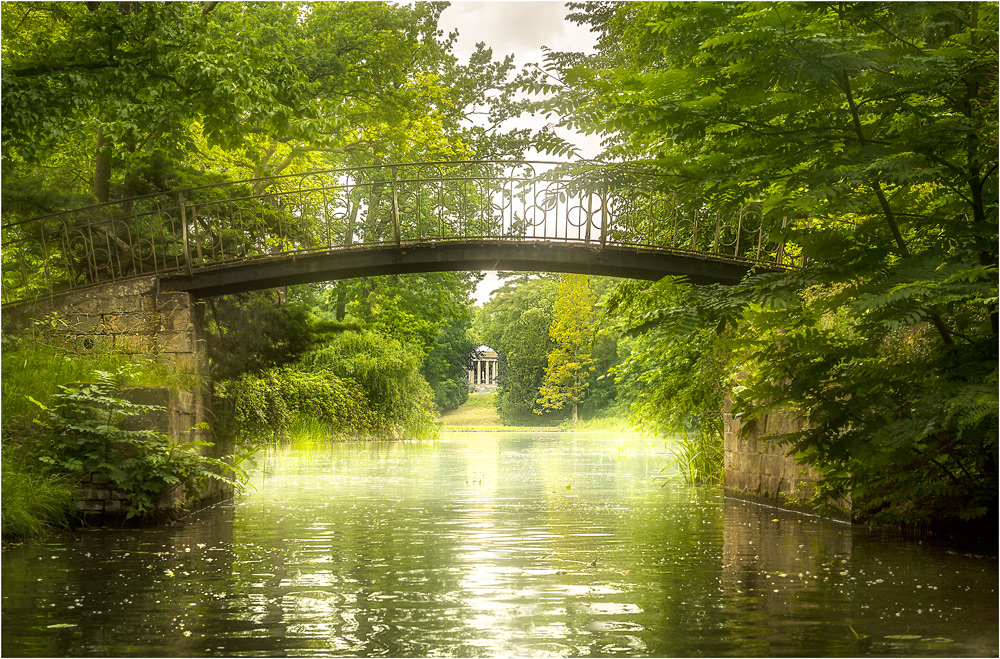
(65, 417)
(867, 135)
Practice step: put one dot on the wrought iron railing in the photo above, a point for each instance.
(370, 207)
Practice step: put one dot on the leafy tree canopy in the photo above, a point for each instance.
(124, 98)
(870, 129)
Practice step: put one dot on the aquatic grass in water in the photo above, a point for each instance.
(698, 457)
(33, 502)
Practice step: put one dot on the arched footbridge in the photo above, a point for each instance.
(471, 215)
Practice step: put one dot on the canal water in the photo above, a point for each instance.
(491, 545)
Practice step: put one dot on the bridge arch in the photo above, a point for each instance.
(394, 219)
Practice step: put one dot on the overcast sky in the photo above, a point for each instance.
(521, 28)
(518, 28)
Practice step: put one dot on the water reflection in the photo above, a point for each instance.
(544, 545)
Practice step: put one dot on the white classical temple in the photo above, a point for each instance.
(483, 369)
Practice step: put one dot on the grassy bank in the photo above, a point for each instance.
(38, 496)
(477, 412)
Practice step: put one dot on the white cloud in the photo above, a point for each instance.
(521, 28)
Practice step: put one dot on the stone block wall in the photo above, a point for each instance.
(131, 317)
(762, 471)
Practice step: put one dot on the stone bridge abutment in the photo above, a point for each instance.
(128, 316)
(132, 317)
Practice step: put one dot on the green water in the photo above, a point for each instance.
(491, 545)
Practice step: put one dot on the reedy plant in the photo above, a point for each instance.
(34, 502)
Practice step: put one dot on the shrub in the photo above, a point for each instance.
(86, 434)
(389, 372)
(275, 401)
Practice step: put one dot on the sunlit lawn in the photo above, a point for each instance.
(477, 412)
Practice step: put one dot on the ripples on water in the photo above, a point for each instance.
(491, 545)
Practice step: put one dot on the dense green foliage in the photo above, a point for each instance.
(517, 323)
(279, 399)
(65, 417)
(429, 312)
(252, 332)
(125, 98)
(389, 373)
(37, 497)
(88, 432)
(871, 128)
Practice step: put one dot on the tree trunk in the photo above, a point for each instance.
(341, 302)
(101, 187)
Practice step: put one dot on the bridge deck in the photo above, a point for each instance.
(450, 256)
(517, 215)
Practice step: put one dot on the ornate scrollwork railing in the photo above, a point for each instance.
(385, 206)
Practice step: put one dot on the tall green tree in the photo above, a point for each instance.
(871, 128)
(572, 332)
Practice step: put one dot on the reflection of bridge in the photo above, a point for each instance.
(260, 233)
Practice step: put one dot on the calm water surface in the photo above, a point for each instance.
(487, 545)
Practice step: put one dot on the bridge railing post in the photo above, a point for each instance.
(739, 231)
(802, 261)
(760, 237)
(718, 222)
(185, 243)
(604, 217)
(395, 207)
(779, 255)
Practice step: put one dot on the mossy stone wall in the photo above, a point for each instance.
(759, 470)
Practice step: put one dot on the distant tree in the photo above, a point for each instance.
(570, 361)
